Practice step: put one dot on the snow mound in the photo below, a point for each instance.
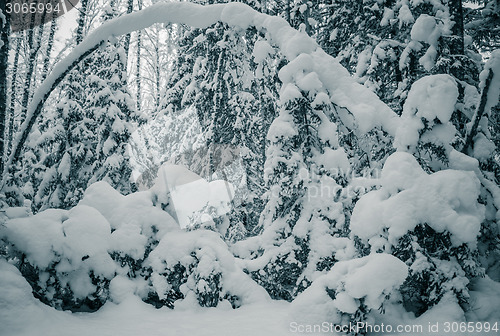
(339, 294)
(192, 199)
(15, 293)
(134, 219)
(425, 29)
(114, 246)
(446, 201)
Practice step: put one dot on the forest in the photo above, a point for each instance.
(261, 167)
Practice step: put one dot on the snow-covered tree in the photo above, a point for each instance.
(397, 42)
(302, 227)
(84, 139)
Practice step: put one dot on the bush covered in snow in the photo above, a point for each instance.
(197, 266)
(431, 222)
(63, 255)
(350, 290)
(111, 246)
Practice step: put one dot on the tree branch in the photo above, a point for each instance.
(479, 114)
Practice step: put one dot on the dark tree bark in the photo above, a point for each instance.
(13, 96)
(457, 48)
(50, 45)
(32, 55)
(481, 110)
(287, 11)
(138, 63)
(81, 22)
(126, 46)
(4, 58)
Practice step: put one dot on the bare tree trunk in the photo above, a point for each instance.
(138, 63)
(13, 97)
(457, 49)
(287, 11)
(157, 91)
(307, 15)
(469, 142)
(50, 45)
(130, 7)
(32, 53)
(4, 58)
(81, 21)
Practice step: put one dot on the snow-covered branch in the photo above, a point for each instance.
(367, 108)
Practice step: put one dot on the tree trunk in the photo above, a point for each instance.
(4, 58)
(457, 49)
(130, 7)
(469, 142)
(32, 52)
(287, 11)
(50, 44)
(81, 21)
(138, 64)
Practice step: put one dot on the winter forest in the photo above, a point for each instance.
(263, 167)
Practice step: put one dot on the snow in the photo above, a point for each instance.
(134, 218)
(21, 314)
(405, 16)
(261, 50)
(430, 97)
(81, 240)
(400, 172)
(425, 29)
(309, 82)
(75, 241)
(17, 212)
(289, 93)
(39, 241)
(192, 195)
(429, 58)
(446, 201)
(121, 288)
(387, 17)
(483, 147)
(493, 64)
(281, 127)
(334, 160)
(209, 255)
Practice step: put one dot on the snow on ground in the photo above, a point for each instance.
(21, 314)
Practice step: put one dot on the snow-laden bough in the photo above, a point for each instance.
(314, 70)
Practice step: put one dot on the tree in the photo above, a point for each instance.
(4, 57)
(84, 140)
(481, 25)
(395, 43)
